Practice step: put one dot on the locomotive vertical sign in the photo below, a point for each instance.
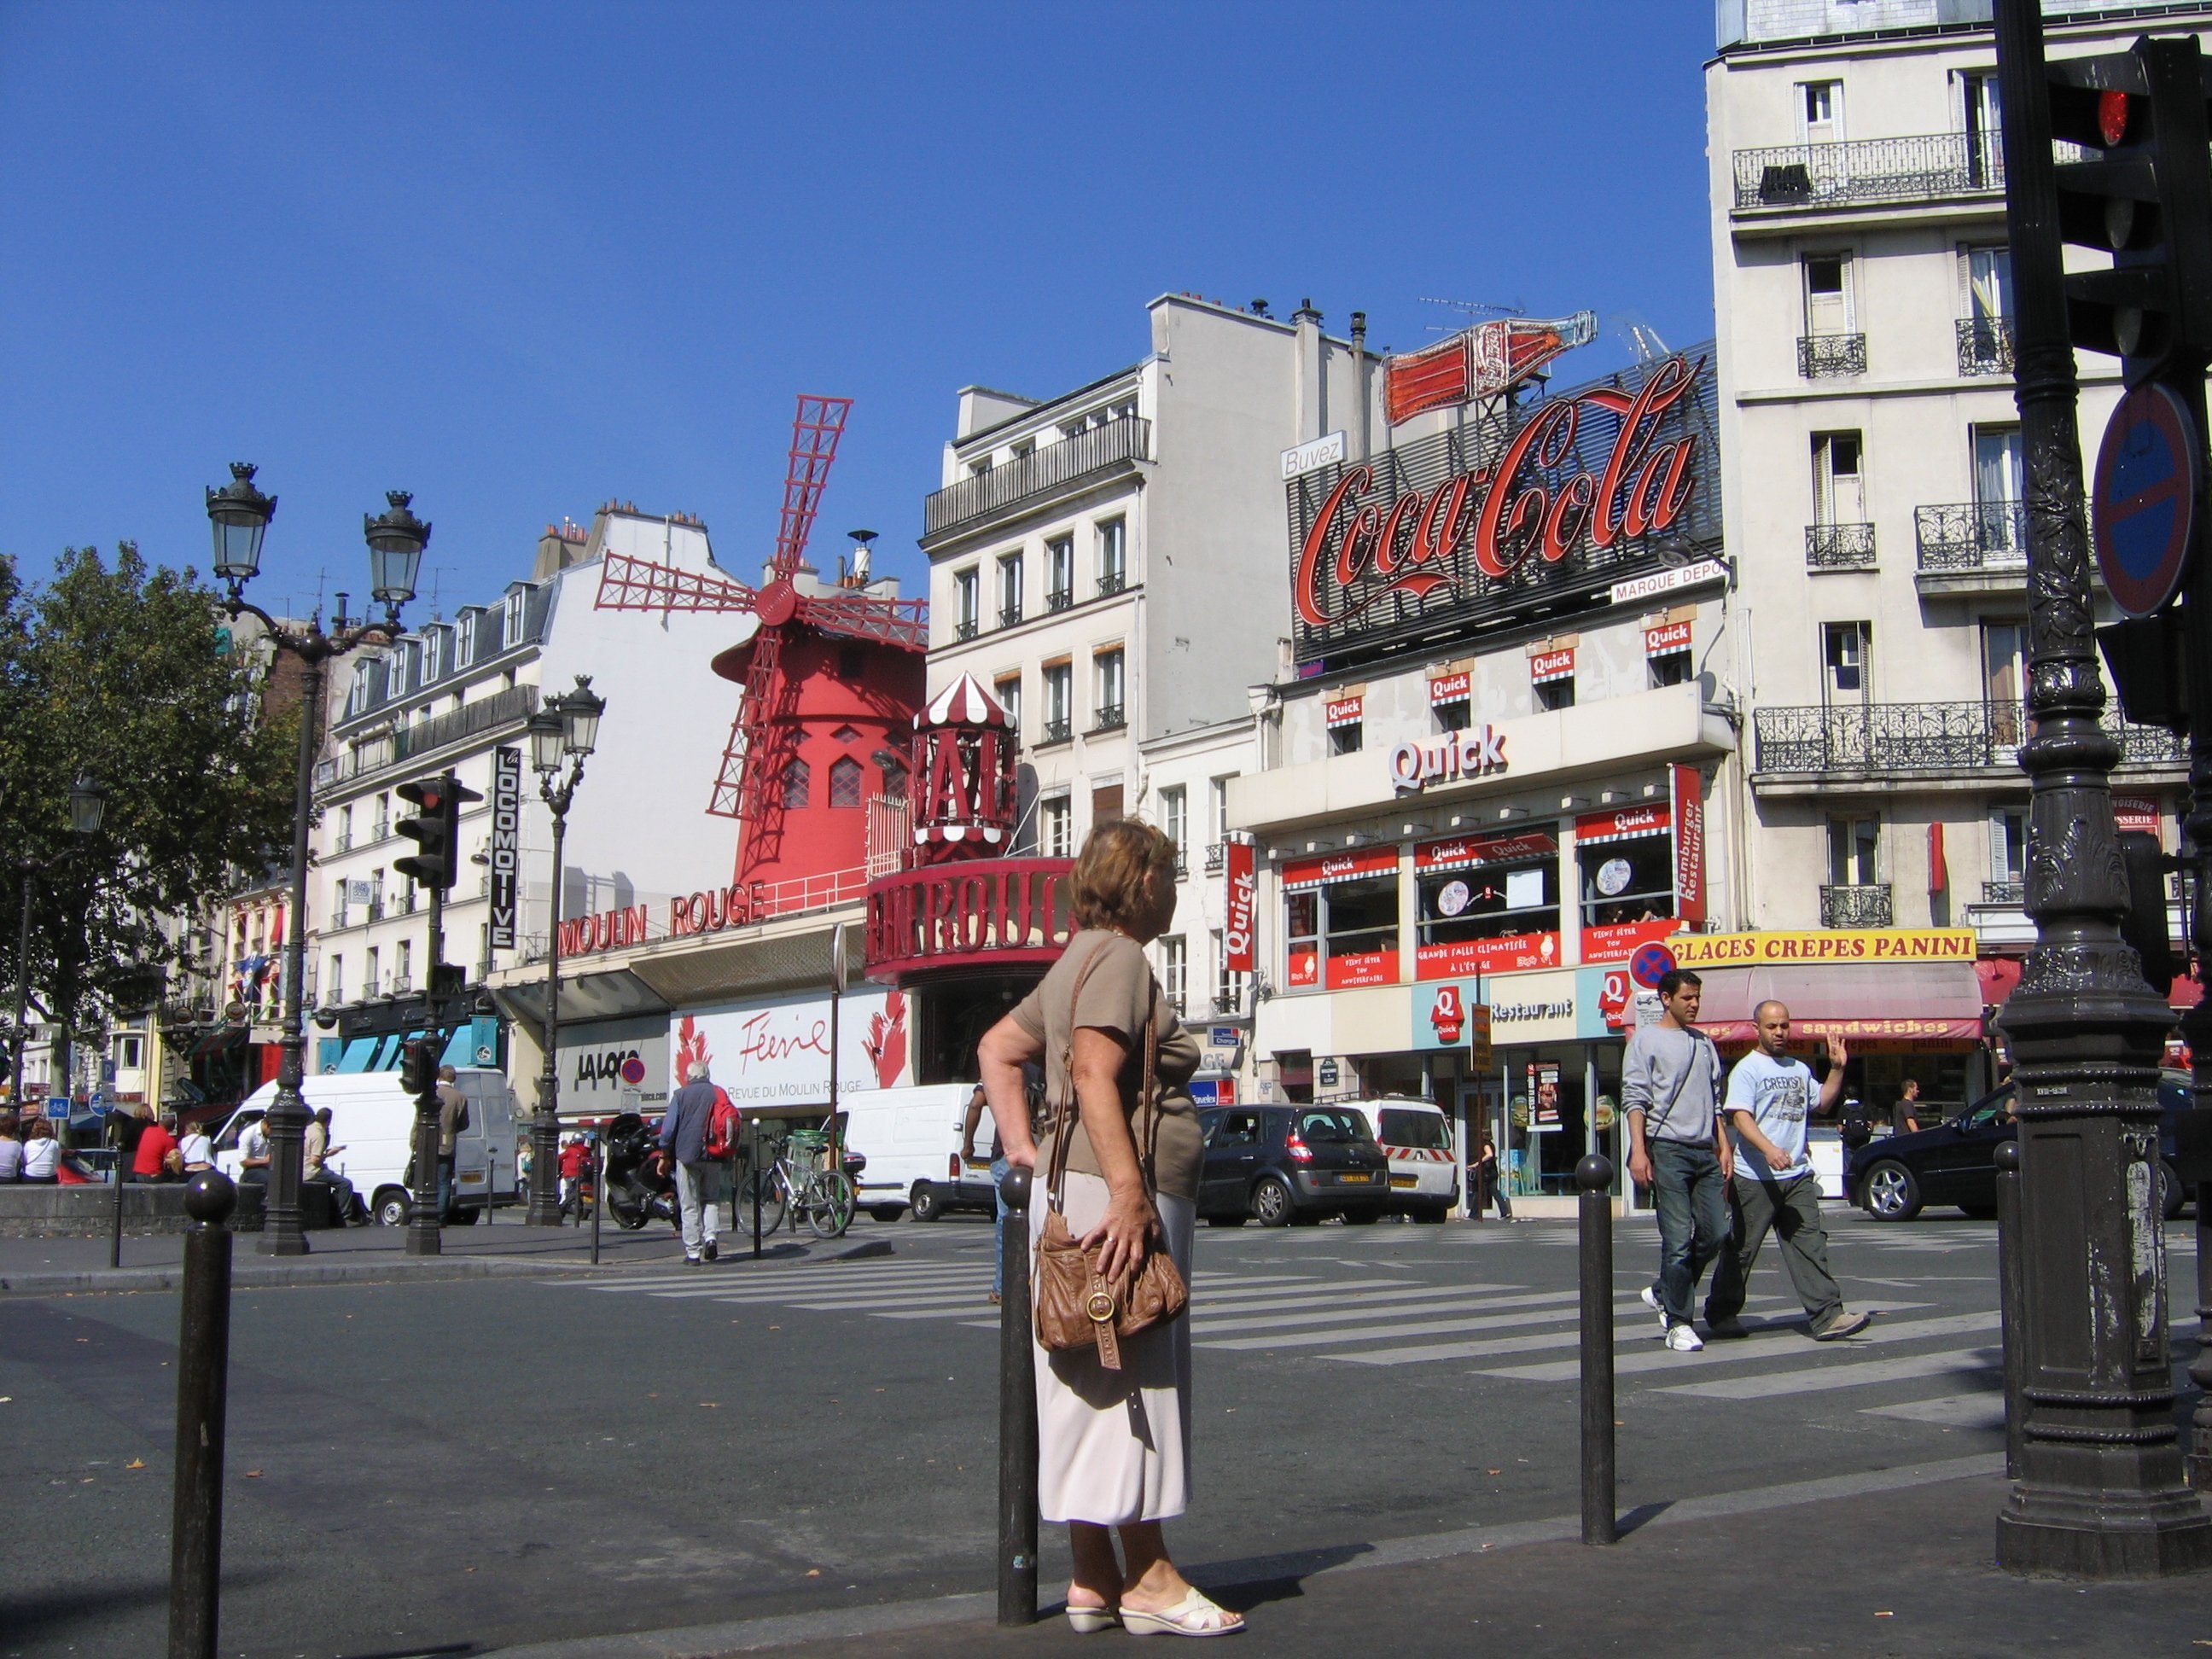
(506, 843)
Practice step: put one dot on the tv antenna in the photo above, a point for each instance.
(1473, 310)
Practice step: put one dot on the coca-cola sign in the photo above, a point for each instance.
(1572, 494)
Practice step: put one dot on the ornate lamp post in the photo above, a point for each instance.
(241, 515)
(87, 800)
(564, 730)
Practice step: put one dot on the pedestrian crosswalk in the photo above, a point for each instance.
(1331, 1309)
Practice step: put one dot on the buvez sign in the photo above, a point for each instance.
(1582, 491)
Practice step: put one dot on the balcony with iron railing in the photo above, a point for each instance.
(2010, 894)
(1058, 731)
(1862, 171)
(1798, 750)
(1215, 858)
(1826, 356)
(1060, 598)
(509, 707)
(1965, 547)
(1839, 547)
(1111, 583)
(966, 629)
(1111, 718)
(1984, 345)
(1863, 904)
(1022, 481)
(1010, 616)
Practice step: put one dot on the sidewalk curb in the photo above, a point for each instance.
(266, 1275)
(883, 1619)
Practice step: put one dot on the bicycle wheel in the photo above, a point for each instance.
(828, 1203)
(760, 1203)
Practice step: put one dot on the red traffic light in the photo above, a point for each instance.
(2113, 108)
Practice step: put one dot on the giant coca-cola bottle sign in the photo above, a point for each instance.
(1583, 488)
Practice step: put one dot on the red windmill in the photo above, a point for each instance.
(800, 670)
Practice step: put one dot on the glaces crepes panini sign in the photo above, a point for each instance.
(1578, 491)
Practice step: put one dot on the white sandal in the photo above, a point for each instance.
(1089, 1621)
(1194, 1615)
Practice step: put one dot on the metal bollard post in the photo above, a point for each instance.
(753, 1174)
(202, 1380)
(2012, 1301)
(599, 1187)
(1018, 1415)
(115, 1238)
(1601, 1523)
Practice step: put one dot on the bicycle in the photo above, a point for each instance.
(795, 1186)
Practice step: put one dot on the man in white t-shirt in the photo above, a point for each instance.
(1770, 1103)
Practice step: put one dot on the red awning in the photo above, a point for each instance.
(1915, 1001)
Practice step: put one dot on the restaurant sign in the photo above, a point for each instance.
(1511, 514)
(1827, 945)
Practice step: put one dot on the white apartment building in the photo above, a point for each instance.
(1872, 462)
(1109, 561)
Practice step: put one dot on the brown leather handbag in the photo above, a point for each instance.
(1077, 1306)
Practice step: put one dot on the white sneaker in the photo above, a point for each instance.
(1651, 1301)
(1683, 1340)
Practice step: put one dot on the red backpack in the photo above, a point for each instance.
(722, 1139)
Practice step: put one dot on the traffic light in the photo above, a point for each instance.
(418, 1066)
(2149, 665)
(2144, 196)
(2144, 925)
(435, 829)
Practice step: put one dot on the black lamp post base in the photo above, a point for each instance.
(290, 1243)
(2133, 1535)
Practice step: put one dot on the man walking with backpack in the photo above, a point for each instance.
(683, 1133)
(1670, 1082)
(1770, 1098)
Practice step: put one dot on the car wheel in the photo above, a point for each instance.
(2173, 1191)
(1891, 1194)
(1361, 1218)
(391, 1208)
(1271, 1205)
(929, 1202)
(888, 1211)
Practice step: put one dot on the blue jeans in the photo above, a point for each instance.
(998, 1167)
(1693, 1220)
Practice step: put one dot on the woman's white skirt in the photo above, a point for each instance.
(1113, 1446)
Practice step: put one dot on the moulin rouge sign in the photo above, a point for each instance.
(1592, 481)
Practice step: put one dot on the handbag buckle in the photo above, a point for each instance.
(1098, 1305)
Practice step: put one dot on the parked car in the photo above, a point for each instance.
(1416, 1136)
(1895, 1177)
(1280, 1164)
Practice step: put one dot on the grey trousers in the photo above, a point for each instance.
(1792, 1210)
(698, 1190)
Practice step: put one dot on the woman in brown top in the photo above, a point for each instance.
(1113, 1445)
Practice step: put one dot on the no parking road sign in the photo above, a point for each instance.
(2142, 511)
(1649, 964)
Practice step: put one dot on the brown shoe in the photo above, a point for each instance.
(1843, 1325)
(995, 1299)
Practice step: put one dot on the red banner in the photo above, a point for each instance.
(1667, 637)
(1367, 968)
(1345, 711)
(1689, 785)
(1303, 969)
(1451, 688)
(1552, 665)
(1300, 874)
(1241, 883)
(1467, 851)
(1515, 953)
(1619, 941)
(1623, 825)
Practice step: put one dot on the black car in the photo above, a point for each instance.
(1895, 1177)
(1289, 1163)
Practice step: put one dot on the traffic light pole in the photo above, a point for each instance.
(424, 1217)
(2100, 1493)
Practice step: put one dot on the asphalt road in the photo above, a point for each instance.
(458, 1467)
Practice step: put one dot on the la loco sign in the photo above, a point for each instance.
(1578, 491)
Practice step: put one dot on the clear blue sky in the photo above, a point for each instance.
(521, 259)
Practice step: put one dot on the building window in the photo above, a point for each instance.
(1626, 881)
(1844, 648)
(465, 639)
(510, 621)
(403, 971)
(434, 655)
(1228, 982)
(1346, 739)
(1108, 686)
(376, 894)
(1510, 890)
(341, 891)
(1009, 694)
(798, 785)
(344, 843)
(844, 781)
(129, 1054)
(1984, 128)
(1821, 111)
(334, 980)
(1219, 788)
(2008, 856)
(1055, 827)
(1854, 852)
(1553, 695)
(383, 816)
(371, 986)
(894, 777)
(1059, 573)
(364, 687)
(1113, 556)
(1839, 494)
(1344, 919)
(1453, 714)
(967, 603)
(1175, 822)
(1010, 590)
(1059, 697)
(1175, 971)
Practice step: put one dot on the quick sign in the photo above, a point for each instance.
(1240, 890)
(1450, 688)
(506, 843)
(1553, 665)
(1457, 755)
(1667, 638)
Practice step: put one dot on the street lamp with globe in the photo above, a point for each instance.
(240, 514)
(562, 732)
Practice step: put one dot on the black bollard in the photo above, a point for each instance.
(115, 1238)
(599, 1187)
(755, 1175)
(1018, 1415)
(1594, 1175)
(2012, 1301)
(202, 1378)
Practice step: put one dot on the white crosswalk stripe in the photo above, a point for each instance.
(1775, 1342)
(1984, 1410)
(1955, 1362)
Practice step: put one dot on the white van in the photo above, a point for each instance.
(1417, 1136)
(372, 1118)
(911, 1139)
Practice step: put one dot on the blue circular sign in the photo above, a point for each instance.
(1648, 963)
(2143, 509)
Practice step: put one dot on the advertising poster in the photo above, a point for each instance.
(773, 1053)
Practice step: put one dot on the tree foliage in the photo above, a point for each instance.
(128, 671)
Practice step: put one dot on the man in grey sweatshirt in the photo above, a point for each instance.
(1670, 1086)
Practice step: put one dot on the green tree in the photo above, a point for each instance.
(128, 671)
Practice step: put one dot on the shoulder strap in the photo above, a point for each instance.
(1699, 1043)
(1063, 1127)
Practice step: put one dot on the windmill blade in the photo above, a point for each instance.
(855, 616)
(627, 584)
(815, 431)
